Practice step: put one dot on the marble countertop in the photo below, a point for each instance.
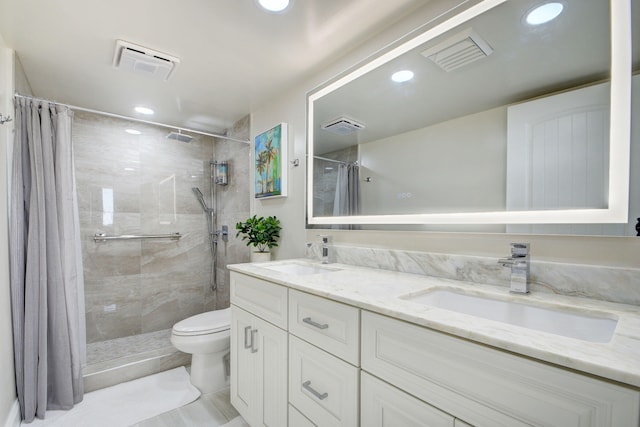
(381, 291)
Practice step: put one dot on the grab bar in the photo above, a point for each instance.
(102, 237)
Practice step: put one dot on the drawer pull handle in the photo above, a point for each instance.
(246, 343)
(253, 340)
(316, 324)
(307, 386)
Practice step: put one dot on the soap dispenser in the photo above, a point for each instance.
(325, 249)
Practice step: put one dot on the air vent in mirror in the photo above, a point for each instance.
(459, 50)
(342, 126)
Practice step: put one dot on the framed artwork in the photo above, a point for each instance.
(270, 174)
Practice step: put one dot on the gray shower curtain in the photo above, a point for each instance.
(347, 198)
(47, 287)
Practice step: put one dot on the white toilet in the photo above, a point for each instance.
(207, 337)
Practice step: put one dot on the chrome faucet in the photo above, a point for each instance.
(325, 248)
(519, 263)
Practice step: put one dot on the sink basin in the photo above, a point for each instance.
(555, 321)
(299, 269)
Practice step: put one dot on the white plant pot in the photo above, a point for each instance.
(260, 256)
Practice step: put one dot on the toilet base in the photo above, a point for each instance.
(208, 372)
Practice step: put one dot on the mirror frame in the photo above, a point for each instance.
(619, 136)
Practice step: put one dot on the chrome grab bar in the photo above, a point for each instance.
(316, 324)
(307, 386)
(102, 237)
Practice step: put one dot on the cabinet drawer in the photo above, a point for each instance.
(386, 406)
(296, 419)
(330, 325)
(323, 387)
(264, 299)
(488, 387)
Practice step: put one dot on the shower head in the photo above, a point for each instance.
(197, 192)
(179, 136)
(200, 197)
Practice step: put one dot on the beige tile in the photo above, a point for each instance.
(153, 284)
(222, 401)
(113, 307)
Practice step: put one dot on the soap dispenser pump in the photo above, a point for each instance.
(325, 249)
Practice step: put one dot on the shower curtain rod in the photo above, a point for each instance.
(334, 161)
(147, 122)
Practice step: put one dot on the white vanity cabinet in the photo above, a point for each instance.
(259, 351)
(385, 406)
(324, 350)
(488, 387)
(297, 419)
(300, 360)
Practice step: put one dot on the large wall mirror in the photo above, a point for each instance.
(491, 120)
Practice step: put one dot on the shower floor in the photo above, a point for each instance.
(123, 359)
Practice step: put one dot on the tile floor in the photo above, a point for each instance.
(210, 410)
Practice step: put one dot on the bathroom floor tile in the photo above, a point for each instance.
(210, 410)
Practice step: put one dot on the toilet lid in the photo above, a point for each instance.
(205, 323)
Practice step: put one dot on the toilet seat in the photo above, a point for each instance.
(204, 323)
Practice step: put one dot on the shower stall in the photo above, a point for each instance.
(151, 185)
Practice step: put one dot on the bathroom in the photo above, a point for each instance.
(619, 253)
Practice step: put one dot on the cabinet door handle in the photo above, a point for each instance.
(253, 341)
(316, 324)
(246, 343)
(307, 386)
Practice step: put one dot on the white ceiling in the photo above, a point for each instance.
(233, 55)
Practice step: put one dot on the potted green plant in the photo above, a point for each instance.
(261, 233)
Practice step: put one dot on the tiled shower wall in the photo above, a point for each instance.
(141, 184)
(232, 205)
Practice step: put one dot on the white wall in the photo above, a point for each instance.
(290, 108)
(288, 209)
(7, 378)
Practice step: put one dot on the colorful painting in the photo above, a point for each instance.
(270, 177)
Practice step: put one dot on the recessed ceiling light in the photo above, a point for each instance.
(274, 5)
(144, 110)
(133, 131)
(402, 76)
(544, 13)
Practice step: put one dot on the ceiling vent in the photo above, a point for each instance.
(144, 61)
(459, 50)
(343, 126)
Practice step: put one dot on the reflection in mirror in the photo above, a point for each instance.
(494, 118)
